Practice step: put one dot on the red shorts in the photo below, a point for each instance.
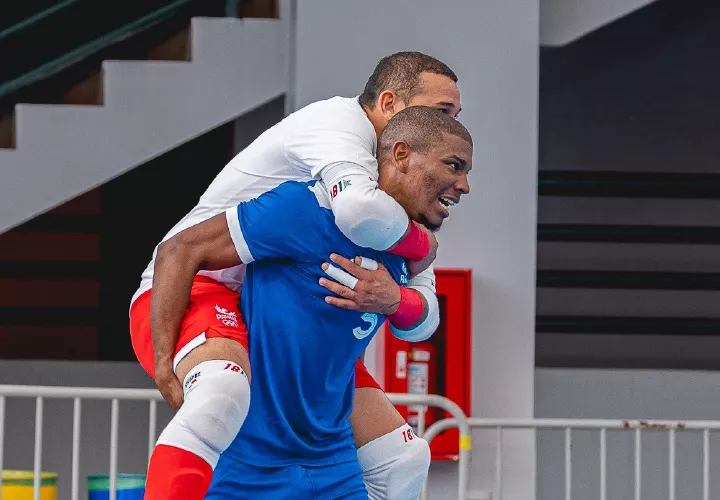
(363, 377)
(213, 312)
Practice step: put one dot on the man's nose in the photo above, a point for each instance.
(463, 185)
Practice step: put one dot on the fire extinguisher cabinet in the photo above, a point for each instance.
(440, 365)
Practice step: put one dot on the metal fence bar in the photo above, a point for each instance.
(2, 435)
(638, 464)
(576, 424)
(603, 464)
(75, 481)
(706, 464)
(37, 465)
(152, 428)
(499, 462)
(671, 464)
(568, 463)
(114, 423)
(40, 391)
(421, 420)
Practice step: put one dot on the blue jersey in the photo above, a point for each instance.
(302, 350)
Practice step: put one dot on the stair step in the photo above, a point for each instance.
(129, 85)
(249, 41)
(133, 111)
(34, 123)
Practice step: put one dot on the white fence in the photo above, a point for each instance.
(459, 420)
(602, 426)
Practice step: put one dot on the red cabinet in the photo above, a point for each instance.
(440, 365)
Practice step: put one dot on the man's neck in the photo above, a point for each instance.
(390, 181)
(376, 119)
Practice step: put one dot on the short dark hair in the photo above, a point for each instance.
(400, 73)
(420, 127)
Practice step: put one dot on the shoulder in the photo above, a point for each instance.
(297, 194)
(337, 113)
(291, 207)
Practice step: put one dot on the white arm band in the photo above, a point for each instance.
(368, 216)
(425, 284)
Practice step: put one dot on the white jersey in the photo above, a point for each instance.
(298, 148)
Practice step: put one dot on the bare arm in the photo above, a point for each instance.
(207, 245)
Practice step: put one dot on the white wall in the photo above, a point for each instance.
(493, 46)
(635, 394)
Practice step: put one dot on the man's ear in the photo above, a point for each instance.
(388, 103)
(401, 153)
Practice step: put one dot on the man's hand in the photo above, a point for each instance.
(169, 385)
(374, 292)
(416, 268)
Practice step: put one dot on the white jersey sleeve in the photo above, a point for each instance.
(337, 145)
(368, 216)
(338, 132)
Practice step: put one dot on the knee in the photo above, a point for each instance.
(409, 472)
(217, 400)
(395, 467)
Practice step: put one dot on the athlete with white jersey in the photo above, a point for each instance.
(297, 442)
(335, 141)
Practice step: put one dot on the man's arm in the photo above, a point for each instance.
(282, 223)
(370, 218)
(338, 149)
(415, 327)
(207, 245)
(414, 314)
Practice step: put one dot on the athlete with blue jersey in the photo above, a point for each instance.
(296, 441)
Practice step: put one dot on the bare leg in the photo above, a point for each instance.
(214, 349)
(216, 389)
(373, 415)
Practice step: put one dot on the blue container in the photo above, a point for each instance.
(129, 487)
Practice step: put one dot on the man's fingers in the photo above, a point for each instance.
(342, 303)
(337, 288)
(341, 276)
(171, 389)
(347, 265)
(366, 263)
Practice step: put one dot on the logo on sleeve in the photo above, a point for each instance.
(337, 188)
(228, 318)
(404, 275)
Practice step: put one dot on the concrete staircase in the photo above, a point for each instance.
(145, 108)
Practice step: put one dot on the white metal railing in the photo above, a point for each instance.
(77, 394)
(152, 396)
(602, 426)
